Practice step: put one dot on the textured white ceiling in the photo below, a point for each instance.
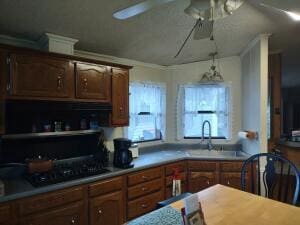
(152, 37)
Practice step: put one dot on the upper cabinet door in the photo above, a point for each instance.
(40, 76)
(93, 82)
(120, 97)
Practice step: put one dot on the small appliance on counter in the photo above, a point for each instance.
(134, 150)
(122, 154)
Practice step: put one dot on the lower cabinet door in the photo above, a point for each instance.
(231, 179)
(69, 215)
(201, 180)
(107, 209)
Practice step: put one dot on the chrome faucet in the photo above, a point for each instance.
(209, 143)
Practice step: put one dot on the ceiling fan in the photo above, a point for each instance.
(290, 7)
(205, 12)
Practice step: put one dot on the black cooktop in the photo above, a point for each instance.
(66, 171)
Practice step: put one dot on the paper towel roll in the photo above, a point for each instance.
(248, 135)
(243, 135)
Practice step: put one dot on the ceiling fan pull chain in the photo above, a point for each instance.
(187, 38)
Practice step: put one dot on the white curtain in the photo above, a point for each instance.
(196, 98)
(146, 98)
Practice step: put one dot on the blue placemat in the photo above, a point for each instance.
(164, 216)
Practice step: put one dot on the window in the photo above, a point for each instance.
(147, 112)
(206, 102)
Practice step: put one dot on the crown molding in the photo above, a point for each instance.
(114, 59)
(19, 42)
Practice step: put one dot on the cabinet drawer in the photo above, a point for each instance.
(143, 205)
(106, 186)
(169, 168)
(144, 188)
(231, 166)
(169, 179)
(71, 214)
(231, 179)
(5, 214)
(51, 200)
(144, 176)
(202, 166)
(201, 180)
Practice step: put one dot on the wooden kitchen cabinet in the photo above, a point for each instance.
(42, 77)
(107, 209)
(200, 180)
(232, 179)
(201, 175)
(169, 171)
(93, 82)
(145, 190)
(120, 97)
(70, 214)
(6, 215)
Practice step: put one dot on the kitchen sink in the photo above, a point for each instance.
(216, 153)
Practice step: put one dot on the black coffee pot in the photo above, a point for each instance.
(122, 154)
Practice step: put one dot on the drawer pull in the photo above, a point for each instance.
(100, 211)
(144, 177)
(59, 82)
(207, 182)
(228, 183)
(85, 83)
(144, 189)
(144, 206)
(72, 221)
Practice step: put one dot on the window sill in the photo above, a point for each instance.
(147, 141)
(213, 138)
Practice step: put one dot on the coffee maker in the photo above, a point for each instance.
(122, 154)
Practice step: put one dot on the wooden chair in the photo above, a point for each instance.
(273, 176)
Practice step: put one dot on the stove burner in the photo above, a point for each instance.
(66, 171)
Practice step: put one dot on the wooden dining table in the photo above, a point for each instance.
(223, 205)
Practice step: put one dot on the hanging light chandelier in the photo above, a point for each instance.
(212, 76)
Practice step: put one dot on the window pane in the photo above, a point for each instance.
(146, 112)
(206, 98)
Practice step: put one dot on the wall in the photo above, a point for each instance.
(191, 73)
(255, 93)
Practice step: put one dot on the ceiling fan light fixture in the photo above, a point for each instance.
(294, 16)
(197, 7)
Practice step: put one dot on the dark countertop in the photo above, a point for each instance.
(20, 188)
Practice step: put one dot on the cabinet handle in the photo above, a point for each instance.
(100, 211)
(144, 177)
(207, 182)
(144, 206)
(72, 221)
(59, 82)
(144, 189)
(228, 182)
(85, 83)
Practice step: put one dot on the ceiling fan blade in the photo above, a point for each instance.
(203, 30)
(138, 8)
(286, 5)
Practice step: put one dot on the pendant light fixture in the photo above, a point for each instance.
(212, 76)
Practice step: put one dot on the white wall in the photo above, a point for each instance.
(230, 69)
(255, 93)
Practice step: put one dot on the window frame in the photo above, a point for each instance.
(229, 111)
(163, 112)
